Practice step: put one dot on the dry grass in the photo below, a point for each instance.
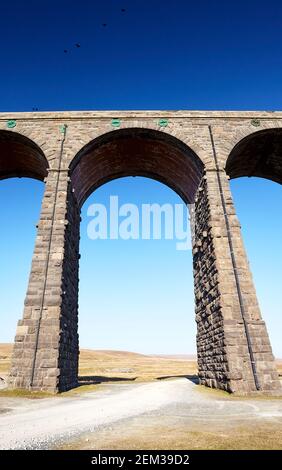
(98, 367)
(5, 357)
(144, 433)
(279, 366)
(113, 366)
(119, 364)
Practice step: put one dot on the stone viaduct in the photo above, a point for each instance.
(193, 152)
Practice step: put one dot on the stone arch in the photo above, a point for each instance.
(258, 154)
(78, 142)
(132, 151)
(136, 152)
(21, 157)
(231, 355)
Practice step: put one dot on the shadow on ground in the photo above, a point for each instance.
(98, 379)
(192, 378)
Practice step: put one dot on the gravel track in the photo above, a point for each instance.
(42, 424)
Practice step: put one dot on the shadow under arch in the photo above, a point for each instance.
(259, 154)
(136, 152)
(21, 157)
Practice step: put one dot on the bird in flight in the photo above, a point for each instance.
(77, 44)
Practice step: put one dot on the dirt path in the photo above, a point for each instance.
(46, 423)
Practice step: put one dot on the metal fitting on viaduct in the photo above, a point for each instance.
(195, 153)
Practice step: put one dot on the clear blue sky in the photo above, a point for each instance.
(138, 295)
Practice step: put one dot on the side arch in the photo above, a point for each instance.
(21, 157)
(258, 154)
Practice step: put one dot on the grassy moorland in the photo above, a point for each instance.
(97, 367)
(102, 365)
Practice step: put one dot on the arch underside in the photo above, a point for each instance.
(21, 157)
(136, 152)
(259, 154)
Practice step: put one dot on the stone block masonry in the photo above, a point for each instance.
(193, 152)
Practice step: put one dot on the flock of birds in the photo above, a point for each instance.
(104, 25)
(77, 45)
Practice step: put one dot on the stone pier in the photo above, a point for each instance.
(194, 153)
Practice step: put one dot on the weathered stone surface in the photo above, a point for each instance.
(183, 155)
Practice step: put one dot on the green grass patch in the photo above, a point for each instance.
(22, 393)
(81, 389)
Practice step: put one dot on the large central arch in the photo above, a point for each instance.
(136, 152)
